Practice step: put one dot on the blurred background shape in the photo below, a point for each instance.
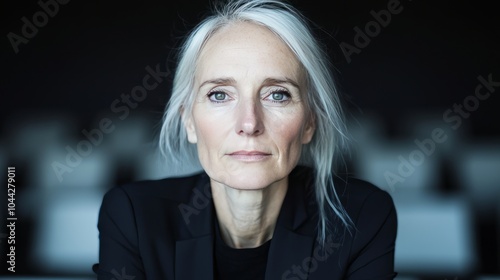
(435, 236)
(66, 239)
(478, 173)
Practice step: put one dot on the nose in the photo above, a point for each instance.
(249, 118)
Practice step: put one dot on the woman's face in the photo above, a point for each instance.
(249, 117)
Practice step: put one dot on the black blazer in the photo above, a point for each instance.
(164, 229)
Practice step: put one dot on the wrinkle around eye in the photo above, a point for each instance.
(213, 95)
(286, 96)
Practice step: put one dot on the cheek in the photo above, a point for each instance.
(203, 134)
(288, 134)
(210, 132)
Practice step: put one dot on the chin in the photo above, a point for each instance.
(247, 185)
(250, 179)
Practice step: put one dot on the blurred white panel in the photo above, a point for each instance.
(66, 211)
(154, 166)
(397, 166)
(478, 170)
(421, 126)
(54, 170)
(368, 126)
(66, 240)
(406, 277)
(435, 236)
(31, 136)
(128, 137)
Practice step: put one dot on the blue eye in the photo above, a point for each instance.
(279, 96)
(217, 96)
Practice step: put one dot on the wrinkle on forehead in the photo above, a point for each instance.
(261, 44)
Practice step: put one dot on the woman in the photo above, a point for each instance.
(252, 98)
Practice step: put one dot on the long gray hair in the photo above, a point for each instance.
(330, 140)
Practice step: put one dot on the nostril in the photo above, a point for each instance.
(249, 120)
(249, 131)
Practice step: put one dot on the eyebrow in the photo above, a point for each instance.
(219, 81)
(267, 81)
(285, 80)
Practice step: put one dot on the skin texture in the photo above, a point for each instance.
(249, 122)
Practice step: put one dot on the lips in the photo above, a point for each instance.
(249, 155)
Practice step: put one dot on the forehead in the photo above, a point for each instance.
(250, 48)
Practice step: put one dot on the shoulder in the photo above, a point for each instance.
(355, 194)
(373, 213)
(173, 189)
(152, 195)
(358, 195)
(367, 249)
(141, 204)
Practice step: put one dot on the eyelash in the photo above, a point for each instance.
(285, 93)
(214, 92)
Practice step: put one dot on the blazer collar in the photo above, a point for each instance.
(194, 255)
(294, 235)
(293, 238)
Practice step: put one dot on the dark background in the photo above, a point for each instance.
(428, 57)
(425, 60)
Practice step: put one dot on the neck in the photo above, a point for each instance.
(247, 218)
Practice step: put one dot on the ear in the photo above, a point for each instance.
(309, 129)
(187, 121)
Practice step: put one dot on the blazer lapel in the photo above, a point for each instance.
(194, 255)
(194, 259)
(293, 239)
(294, 236)
(289, 255)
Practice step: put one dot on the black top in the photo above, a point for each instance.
(164, 229)
(242, 264)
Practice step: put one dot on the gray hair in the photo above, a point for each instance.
(330, 140)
